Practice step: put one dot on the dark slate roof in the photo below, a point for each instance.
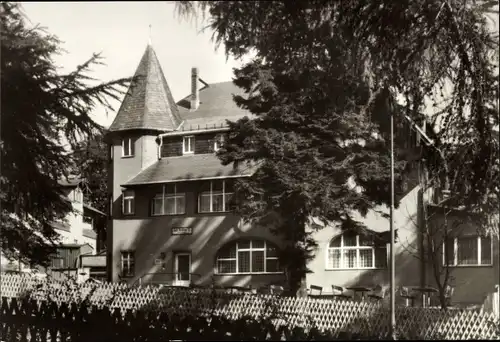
(71, 181)
(149, 103)
(89, 233)
(91, 208)
(185, 168)
(61, 226)
(216, 105)
(72, 245)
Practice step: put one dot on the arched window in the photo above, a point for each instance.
(247, 256)
(351, 251)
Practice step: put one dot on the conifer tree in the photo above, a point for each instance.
(322, 82)
(44, 115)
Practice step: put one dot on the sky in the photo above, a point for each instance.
(120, 32)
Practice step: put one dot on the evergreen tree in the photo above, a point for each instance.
(321, 85)
(91, 156)
(40, 110)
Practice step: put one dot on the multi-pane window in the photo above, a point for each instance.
(127, 147)
(248, 256)
(128, 202)
(215, 196)
(351, 251)
(188, 144)
(169, 202)
(468, 251)
(127, 263)
(218, 142)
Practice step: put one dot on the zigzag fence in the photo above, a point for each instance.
(328, 317)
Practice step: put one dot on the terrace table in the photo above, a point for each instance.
(360, 289)
(407, 293)
(427, 292)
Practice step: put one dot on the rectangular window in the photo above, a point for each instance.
(170, 202)
(110, 205)
(468, 251)
(128, 263)
(57, 262)
(248, 256)
(188, 144)
(214, 197)
(351, 251)
(110, 153)
(77, 195)
(127, 147)
(218, 142)
(128, 202)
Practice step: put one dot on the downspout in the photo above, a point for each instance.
(422, 217)
(159, 146)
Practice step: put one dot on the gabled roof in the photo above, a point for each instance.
(149, 103)
(186, 168)
(216, 106)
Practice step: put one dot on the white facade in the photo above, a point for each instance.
(73, 230)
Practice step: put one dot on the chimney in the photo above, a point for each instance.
(195, 91)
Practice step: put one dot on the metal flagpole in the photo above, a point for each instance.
(392, 256)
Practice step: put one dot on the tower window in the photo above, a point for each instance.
(127, 147)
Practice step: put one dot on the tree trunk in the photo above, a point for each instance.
(297, 281)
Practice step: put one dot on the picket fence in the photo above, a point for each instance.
(335, 316)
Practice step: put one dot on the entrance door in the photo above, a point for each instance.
(183, 266)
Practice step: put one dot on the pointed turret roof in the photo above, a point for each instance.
(148, 104)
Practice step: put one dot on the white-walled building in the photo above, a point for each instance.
(79, 234)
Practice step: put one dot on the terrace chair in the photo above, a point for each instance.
(378, 293)
(339, 292)
(197, 286)
(235, 289)
(264, 289)
(448, 293)
(315, 290)
(404, 292)
(276, 289)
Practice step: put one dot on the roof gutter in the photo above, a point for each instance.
(194, 131)
(184, 180)
(89, 207)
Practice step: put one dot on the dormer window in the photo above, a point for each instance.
(127, 147)
(188, 144)
(218, 142)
